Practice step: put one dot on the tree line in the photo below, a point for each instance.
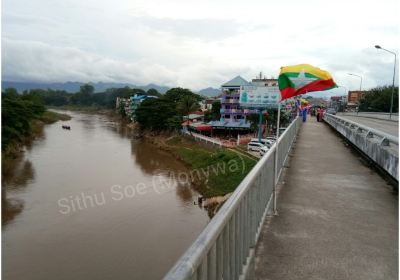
(86, 96)
(378, 100)
(165, 112)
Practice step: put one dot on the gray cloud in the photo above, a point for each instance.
(36, 61)
(204, 29)
(192, 44)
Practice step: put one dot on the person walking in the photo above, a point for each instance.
(317, 114)
(304, 112)
(321, 114)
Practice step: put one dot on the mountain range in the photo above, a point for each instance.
(73, 87)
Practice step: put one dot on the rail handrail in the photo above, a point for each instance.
(370, 130)
(223, 249)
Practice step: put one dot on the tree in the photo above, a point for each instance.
(153, 92)
(56, 97)
(176, 94)
(84, 96)
(10, 93)
(157, 114)
(216, 110)
(187, 105)
(17, 115)
(87, 89)
(214, 113)
(379, 99)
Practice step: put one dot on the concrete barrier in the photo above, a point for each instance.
(380, 147)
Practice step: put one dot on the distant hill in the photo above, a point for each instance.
(74, 86)
(210, 92)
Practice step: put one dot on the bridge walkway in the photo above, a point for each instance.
(337, 218)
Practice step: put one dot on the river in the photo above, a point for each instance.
(92, 203)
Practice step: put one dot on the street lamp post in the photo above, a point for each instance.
(394, 75)
(351, 74)
(357, 76)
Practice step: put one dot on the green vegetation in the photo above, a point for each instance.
(167, 111)
(20, 117)
(270, 118)
(85, 97)
(51, 117)
(220, 170)
(378, 100)
(214, 114)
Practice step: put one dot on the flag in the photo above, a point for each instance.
(303, 78)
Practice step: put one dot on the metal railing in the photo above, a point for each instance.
(226, 246)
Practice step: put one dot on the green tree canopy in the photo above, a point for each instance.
(187, 105)
(153, 92)
(17, 112)
(157, 114)
(214, 113)
(378, 100)
(177, 94)
(87, 89)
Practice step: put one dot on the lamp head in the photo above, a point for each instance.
(377, 47)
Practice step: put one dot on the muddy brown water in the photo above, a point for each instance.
(92, 203)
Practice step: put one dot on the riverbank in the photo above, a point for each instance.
(14, 150)
(215, 172)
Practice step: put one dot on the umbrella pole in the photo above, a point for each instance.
(276, 157)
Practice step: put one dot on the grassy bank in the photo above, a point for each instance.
(219, 170)
(49, 117)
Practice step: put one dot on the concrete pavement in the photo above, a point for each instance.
(337, 218)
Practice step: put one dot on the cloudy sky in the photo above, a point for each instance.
(195, 44)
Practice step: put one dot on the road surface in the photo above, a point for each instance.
(389, 127)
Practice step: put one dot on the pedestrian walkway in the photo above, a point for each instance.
(337, 218)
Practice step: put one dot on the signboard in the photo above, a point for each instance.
(259, 97)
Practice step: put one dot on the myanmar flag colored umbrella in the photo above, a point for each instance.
(303, 78)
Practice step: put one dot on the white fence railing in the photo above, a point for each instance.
(379, 146)
(206, 139)
(226, 246)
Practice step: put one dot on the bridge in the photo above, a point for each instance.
(312, 208)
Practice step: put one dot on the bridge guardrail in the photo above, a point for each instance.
(381, 147)
(225, 248)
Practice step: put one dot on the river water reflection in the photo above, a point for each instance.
(92, 203)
